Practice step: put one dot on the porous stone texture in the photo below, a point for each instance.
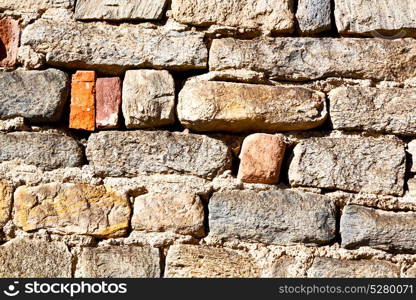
(146, 152)
(269, 15)
(387, 230)
(107, 102)
(6, 193)
(386, 110)
(358, 164)
(191, 261)
(148, 99)
(236, 107)
(118, 262)
(28, 6)
(12, 124)
(323, 267)
(272, 217)
(261, 158)
(79, 45)
(119, 10)
(82, 108)
(38, 96)
(376, 18)
(282, 59)
(314, 16)
(179, 213)
(72, 209)
(24, 258)
(9, 42)
(34, 148)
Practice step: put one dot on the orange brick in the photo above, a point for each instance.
(9, 42)
(82, 115)
(261, 158)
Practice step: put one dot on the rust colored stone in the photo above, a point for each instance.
(108, 102)
(9, 42)
(261, 158)
(82, 114)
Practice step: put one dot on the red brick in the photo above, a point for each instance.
(9, 42)
(108, 102)
(82, 115)
(261, 158)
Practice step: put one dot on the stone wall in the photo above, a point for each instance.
(196, 138)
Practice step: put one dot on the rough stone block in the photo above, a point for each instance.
(376, 18)
(119, 10)
(387, 230)
(118, 262)
(107, 102)
(191, 261)
(35, 148)
(271, 15)
(148, 99)
(385, 110)
(9, 42)
(261, 158)
(272, 217)
(149, 152)
(82, 114)
(314, 16)
(38, 96)
(179, 213)
(79, 45)
(236, 107)
(323, 267)
(6, 194)
(72, 209)
(24, 258)
(300, 59)
(358, 164)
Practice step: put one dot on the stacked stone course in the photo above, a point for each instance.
(198, 138)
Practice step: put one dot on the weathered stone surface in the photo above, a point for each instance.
(82, 115)
(148, 99)
(283, 267)
(161, 184)
(24, 258)
(411, 148)
(72, 209)
(118, 262)
(359, 164)
(387, 110)
(45, 150)
(314, 16)
(373, 18)
(410, 273)
(323, 267)
(130, 153)
(179, 213)
(272, 217)
(271, 15)
(12, 124)
(107, 102)
(387, 230)
(190, 261)
(119, 9)
(34, 6)
(315, 58)
(261, 158)
(113, 49)
(9, 42)
(6, 193)
(237, 107)
(38, 96)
